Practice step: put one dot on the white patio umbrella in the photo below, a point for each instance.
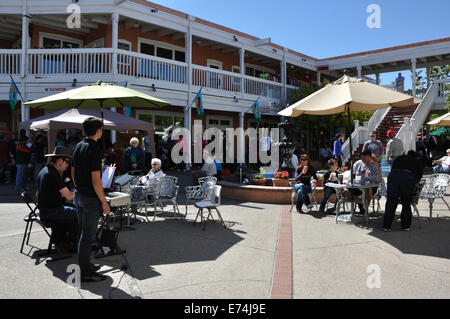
(345, 95)
(443, 120)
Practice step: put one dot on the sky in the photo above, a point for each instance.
(327, 28)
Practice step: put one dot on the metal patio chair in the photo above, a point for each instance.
(436, 188)
(166, 192)
(211, 201)
(197, 193)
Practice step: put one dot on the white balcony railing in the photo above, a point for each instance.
(10, 62)
(57, 62)
(216, 79)
(151, 67)
(69, 61)
(261, 87)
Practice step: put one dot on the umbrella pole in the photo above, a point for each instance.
(351, 147)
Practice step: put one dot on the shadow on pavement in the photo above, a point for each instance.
(173, 241)
(432, 239)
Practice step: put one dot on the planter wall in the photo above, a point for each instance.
(263, 194)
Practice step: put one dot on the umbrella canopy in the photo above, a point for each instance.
(444, 120)
(440, 131)
(354, 93)
(348, 94)
(73, 118)
(97, 95)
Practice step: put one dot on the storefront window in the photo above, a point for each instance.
(163, 122)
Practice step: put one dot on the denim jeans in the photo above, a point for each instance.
(302, 191)
(400, 184)
(327, 192)
(65, 220)
(36, 169)
(440, 169)
(89, 212)
(391, 160)
(21, 176)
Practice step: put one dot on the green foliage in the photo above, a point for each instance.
(442, 72)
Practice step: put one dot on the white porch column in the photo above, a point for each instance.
(413, 134)
(242, 67)
(377, 78)
(284, 75)
(413, 76)
(115, 40)
(187, 110)
(318, 78)
(241, 151)
(359, 70)
(25, 110)
(407, 136)
(428, 76)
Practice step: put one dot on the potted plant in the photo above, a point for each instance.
(319, 181)
(281, 179)
(259, 179)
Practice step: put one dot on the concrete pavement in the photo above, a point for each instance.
(170, 258)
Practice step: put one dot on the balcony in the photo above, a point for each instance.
(62, 65)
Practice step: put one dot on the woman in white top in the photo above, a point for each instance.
(154, 173)
(442, 164)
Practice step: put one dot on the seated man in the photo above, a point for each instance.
(365, 167)
(51, 195)
(442, 165)
(208, 168)
(153, 174)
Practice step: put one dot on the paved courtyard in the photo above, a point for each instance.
(265, 252)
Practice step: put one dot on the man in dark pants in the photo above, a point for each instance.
(51, 194)
(404, 178)
(89, 196)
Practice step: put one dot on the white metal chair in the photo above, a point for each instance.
(211, 201)
(436, 189)
(166, 192)
(197, 193)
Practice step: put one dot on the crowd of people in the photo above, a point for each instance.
(405, 175)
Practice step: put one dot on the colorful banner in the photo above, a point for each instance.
(199, 103)
(13, 91)
(256, 110)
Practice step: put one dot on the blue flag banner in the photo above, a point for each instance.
(13, 91)
(256, 110)
(199, 103)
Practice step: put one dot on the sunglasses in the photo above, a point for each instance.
(66, 160)
(303, 159)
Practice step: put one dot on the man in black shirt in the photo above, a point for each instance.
(404, 178)
(51, 194)
(89, 196)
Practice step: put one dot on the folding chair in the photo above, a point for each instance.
(211, 201)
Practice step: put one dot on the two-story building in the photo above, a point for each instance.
(50, 46)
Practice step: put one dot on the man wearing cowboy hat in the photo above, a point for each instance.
(51, 195)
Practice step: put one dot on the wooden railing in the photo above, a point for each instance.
(10, 61)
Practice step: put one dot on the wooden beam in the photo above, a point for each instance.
(8, 36)
(100, 20)
(148, 28)
(217, 46)
(177, 36)
(164, 32)
(61, 28)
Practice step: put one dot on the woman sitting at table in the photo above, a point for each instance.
(303, 176)
(331, 176)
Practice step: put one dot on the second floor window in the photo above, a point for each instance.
(162, 52)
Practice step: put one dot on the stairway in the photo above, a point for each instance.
(393, 120)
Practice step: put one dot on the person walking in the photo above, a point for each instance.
(37, 156)
(403, 179)
(337, 149)
(4, 157)
(89, 197)
(374, 146)
(23, 161)
(394, 148)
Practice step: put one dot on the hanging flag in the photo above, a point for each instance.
(199, 103)
(256, 110)
(126, 109)
(13, 91)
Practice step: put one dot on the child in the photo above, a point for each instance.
(329, 177)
